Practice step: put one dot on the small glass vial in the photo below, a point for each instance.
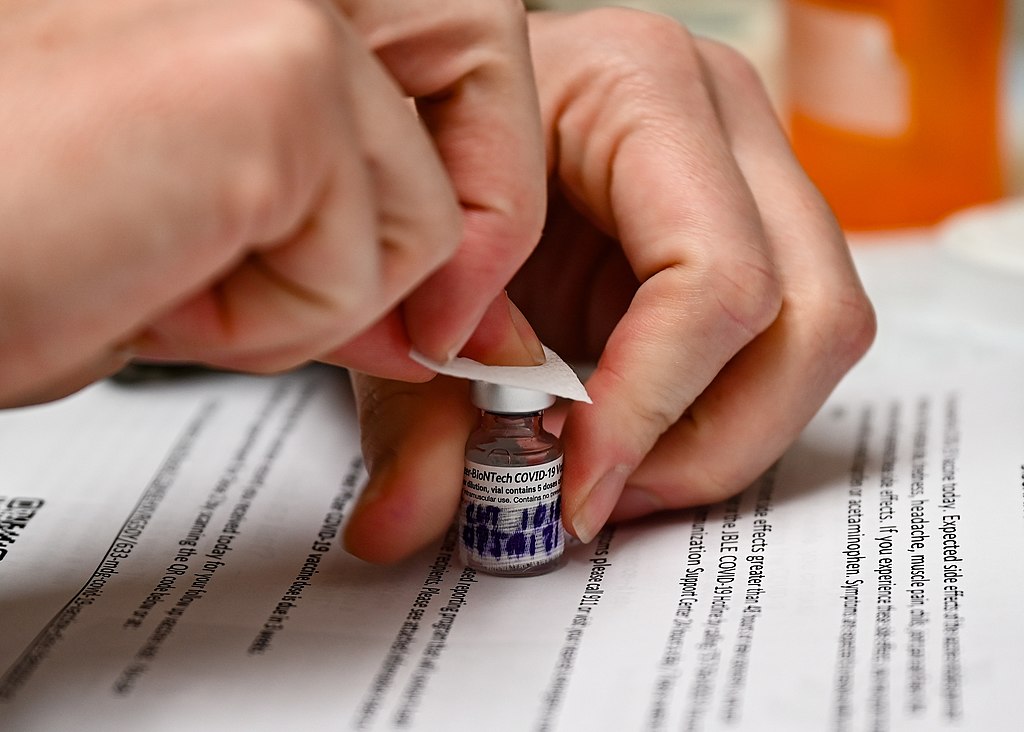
(510, 521)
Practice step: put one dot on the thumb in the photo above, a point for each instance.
(504, 337)
(413, 440)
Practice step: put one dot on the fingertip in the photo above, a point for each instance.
(359, 535)
(531, 349)
(403, 509)
(414, 438)
(600, 456)
(375, 532)
(591, 512)
(446, 311)
(504, 337)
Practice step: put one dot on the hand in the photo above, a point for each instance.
(242, 183)
(686, 251)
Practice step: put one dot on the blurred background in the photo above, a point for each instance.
(902, 111)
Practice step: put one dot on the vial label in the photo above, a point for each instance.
(511, 517)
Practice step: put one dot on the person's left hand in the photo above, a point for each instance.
(686, 251)
(244, 184)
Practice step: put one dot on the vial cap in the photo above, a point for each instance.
(503, 399)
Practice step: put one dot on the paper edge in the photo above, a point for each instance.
(553, 361)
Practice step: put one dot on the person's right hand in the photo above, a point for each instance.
(685, 252)
(243, 183)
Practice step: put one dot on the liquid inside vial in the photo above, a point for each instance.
(510, 521)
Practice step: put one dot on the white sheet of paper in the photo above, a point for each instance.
(171, 560)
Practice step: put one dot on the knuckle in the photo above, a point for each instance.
(840, 323)
(634, 42)
(636, 32)
(849, 325)
(494, 16)
(725, 478)
(734, 66)
(459, 39)
(358, 296)
(414, 248)
(516, 224)
(747, 294)
(275, 40)
(261, 77)
(279, 56)
(712, 486)
(354, 303)
(445, 231)
(635, 59)
(250, 200)
(292, 25)
(657, 406)
(471, 24)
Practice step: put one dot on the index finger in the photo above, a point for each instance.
(467, 64)
(659, 175)
(749, 309)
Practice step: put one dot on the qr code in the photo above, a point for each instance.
(15, 513)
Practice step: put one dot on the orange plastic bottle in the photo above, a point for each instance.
(895, 105)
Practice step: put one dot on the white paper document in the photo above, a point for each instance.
(170, 559)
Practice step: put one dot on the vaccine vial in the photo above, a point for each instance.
(510, 520)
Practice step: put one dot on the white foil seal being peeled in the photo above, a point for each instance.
(554, 376)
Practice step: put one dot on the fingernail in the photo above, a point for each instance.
(634, 503)
(504, 337)
(141, 344)
(531, 343)
(453, 352)
(598, 505)
(124, 351)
